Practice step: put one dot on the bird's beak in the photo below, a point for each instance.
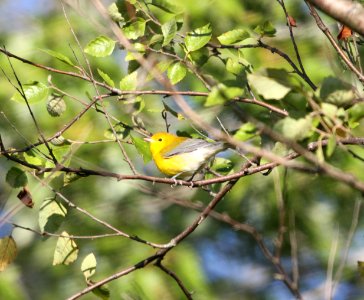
(148, 139)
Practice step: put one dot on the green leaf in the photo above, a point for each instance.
(135, 30)
(51, 215)
(114, 13)
(69, 178)
(61, 153)
(176, 72)
(102, 291)
(106, 78)
(198, 38)
(246, 132)
(66, 250)
(121, 132)
(34, 158)
(34, 92)
(331, 145)
(169, 30)
(267, 87)
(16, 178)
(138, 48)
(142, 148)
(356, 112)
(222, 165)
(293, 129)
(336, 91)
(234, 66)
(266, 29)
(200, 56)
(233, 36)
(220, 94)
(100, 47)
(59, 56)
(8, 251)
(129, 82)
(167, 5)
(88, 266)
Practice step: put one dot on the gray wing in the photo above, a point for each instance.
(190, 145)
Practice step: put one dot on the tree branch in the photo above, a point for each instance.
(347, 12)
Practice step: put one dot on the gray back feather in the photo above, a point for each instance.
(190, 145)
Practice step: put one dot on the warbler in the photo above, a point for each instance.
(175, 156)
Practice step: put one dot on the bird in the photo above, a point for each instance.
(181, 156)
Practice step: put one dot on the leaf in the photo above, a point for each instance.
(246, 132)
(220, 94)
(293, 129)
(169, 30)
(8, 252)
(34, 92)
(70, 177)
(138, 48)
(222, 165)
(267, 87)
(135, 29)
(114, 13)
(142, 148)
(61, 153)
(176, 72)
(199, 57)
(51, 215)
(198, 38)
(16, 178)
(167, 5)
(100, 47)
(331, 145)
(59, 56)
(121, 132)
(102, 291)
(266, 29)
(106, 78)
(233, 36)
(356, 112)
(66, 250)
(129, 82)
(235, 67)
(33, 158)
(336, 91)
(88, 266)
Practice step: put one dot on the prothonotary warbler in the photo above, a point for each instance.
(175, 156)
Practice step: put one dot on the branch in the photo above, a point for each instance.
(333, 42)
(347, 12)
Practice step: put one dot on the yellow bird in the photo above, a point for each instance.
(176, 155)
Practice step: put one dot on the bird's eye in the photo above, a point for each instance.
(160, 139)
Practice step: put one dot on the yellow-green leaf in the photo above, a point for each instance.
(100, 47)
(198, 38)
(269, 88)
(88, 266)
(66, 250)
(51, 215)
(16, 178)
(233, 36)
(176, 72)
(34, 92)
(142, 147)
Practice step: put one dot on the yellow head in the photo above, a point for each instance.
(163, 142)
